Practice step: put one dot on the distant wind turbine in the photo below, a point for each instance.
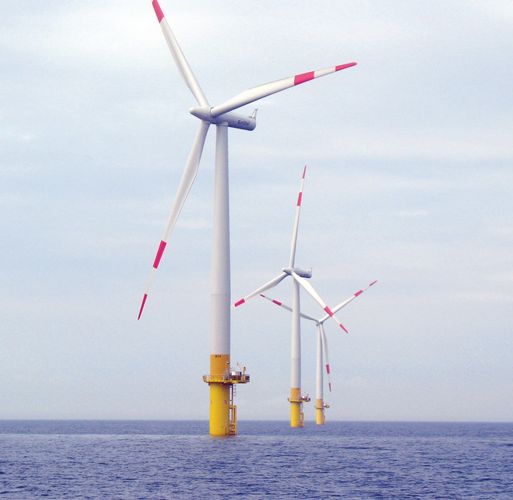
(322, 349)
(298, 280)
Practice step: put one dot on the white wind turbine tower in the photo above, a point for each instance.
(322, 349)
(298, 280)
(220, 380)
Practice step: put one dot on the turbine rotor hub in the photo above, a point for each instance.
(233, 120)
(300, 272)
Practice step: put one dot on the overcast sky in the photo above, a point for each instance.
(410, 182)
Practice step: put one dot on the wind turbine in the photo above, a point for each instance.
(298, 280)
(222, 410)
(322, 349)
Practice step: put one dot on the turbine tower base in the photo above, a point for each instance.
(297, 418)
(222, 382)
(320, 406)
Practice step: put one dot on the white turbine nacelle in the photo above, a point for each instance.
(298, 271)
(233, 120)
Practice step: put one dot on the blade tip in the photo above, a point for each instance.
(158, 10)
(239, 302)
(143, 303)
(345, 66)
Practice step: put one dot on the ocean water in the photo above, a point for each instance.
(143, 459)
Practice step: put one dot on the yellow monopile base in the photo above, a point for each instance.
(219, 396)
(319, 412)
(219, 410)
(296, 407)
(222, 381)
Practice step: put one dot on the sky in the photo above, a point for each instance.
(410, 182)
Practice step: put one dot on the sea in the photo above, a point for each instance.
(177, 459)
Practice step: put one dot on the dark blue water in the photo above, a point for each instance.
(80, 459)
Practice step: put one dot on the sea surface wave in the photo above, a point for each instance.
(176, 459)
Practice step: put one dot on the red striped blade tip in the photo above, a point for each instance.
(343, 327)
(142, 306)
(304, 172)
(158, 10)
(239, 302)
(329, 385)
(345, 66)
(373, 283)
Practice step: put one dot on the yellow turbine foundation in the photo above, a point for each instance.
(223, 412)
(319, 412)
(219, 395)
(296, 408)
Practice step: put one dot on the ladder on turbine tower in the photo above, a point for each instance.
(232, 415)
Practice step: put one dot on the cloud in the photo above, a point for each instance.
(481, 297)
(412, 213)
(410, 180)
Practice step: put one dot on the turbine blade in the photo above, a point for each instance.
(288, 308)
(263, 288)
(179, 58)
(256, 93)
(347, 301)
(277, 302)
(188, 176)
(293, 242)
(324, 342)
(310, 290)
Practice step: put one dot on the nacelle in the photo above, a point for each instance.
(300, 272)
(233, 120)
